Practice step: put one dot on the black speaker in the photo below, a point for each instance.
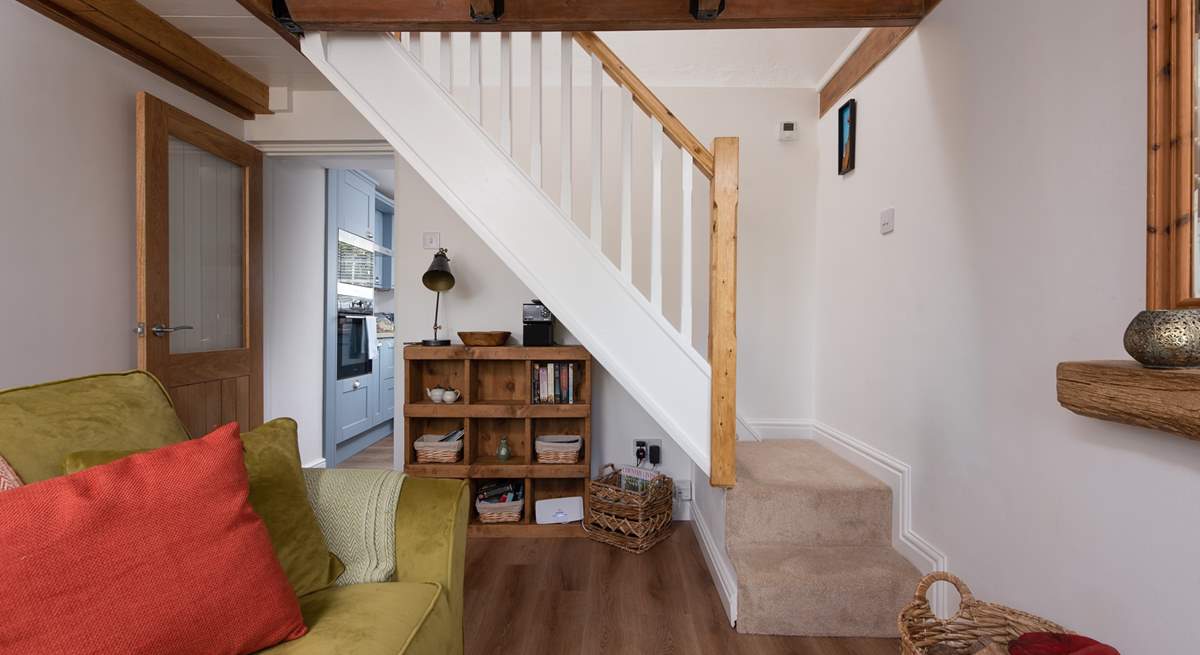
(539, 324)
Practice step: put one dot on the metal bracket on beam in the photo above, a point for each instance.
(284, 17)
(707, 9)
(487, 11)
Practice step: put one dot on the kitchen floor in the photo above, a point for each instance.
(578, 596)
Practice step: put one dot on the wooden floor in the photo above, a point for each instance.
(376, 456)
(579, 597)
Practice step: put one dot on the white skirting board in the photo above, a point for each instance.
(891, 471)
(723, 575)
(316, 464)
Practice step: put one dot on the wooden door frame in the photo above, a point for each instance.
(1169, 152)
(157, 121)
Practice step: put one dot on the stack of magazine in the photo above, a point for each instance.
(553, 383)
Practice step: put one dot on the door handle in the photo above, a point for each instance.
(161, 330)
(357, 384)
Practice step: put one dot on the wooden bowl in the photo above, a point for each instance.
(484, 338)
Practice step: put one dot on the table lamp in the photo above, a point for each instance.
(438, 279)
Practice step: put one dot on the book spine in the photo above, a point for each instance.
(571, 383)
(562, 382)
(542, 382)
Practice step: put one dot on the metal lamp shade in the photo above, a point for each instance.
(438, 277)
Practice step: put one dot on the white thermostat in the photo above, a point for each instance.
(787, 130)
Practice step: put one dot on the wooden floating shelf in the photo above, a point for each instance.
(1127, 392)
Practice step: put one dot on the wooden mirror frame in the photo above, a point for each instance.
(1171, 80)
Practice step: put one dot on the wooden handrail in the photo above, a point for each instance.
(645, 98)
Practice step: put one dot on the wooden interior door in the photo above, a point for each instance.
(199, 273)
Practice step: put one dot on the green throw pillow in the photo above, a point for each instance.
(277, 494)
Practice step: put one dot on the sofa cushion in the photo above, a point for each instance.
(158, 552)
(277, 494)
(39, 425)
(384, 618)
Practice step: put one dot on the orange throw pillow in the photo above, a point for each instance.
(158, 552)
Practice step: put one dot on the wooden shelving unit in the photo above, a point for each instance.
(497, 401)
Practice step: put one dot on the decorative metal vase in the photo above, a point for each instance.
(1168, 338)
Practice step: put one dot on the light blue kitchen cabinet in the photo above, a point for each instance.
(387, 381)
(357, 404)
(383, 272)
(353, 196)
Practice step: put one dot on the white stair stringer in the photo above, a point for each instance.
(515, 218)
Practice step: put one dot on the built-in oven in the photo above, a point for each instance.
(353, 357)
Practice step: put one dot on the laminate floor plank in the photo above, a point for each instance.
(579, 597)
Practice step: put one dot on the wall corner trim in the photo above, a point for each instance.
(719, 566)
(897, 475)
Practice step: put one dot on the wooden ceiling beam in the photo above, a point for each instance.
(263, 11)
(606, 15)
(875, 48)
(143, 37)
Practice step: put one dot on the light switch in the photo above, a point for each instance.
(887, 221)
(431, 240)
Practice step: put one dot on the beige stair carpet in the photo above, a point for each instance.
(809, 535)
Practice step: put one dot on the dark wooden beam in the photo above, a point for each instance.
(874, 49)
(143, 37)
(486, 11)
(608, 15)
(263, 11)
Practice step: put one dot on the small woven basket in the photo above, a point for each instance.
(630, 520)
(431, 451)
(920, 629)
(550, 451)
(509, 512)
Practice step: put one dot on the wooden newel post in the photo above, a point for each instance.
(722, 310)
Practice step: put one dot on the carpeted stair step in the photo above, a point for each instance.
(822, 591)
(798, 493)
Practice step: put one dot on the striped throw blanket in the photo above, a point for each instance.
(356, 510)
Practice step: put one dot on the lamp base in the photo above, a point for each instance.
(435, 342)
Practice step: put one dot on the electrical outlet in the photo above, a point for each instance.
(640, 444)
(887, 221)
(683, 490)
(431, 240)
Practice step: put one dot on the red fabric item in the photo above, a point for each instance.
(158, 552)
(1047, 643)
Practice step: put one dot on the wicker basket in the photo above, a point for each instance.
(509, 512)
(629, 520)
(432, 451)
(921, 629)
(558, 448)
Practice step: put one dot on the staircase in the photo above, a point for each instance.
(525, 202)
(809, 535)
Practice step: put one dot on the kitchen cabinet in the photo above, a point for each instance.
(384, 217)
(386, 408)
(357, 405)
(353, 196)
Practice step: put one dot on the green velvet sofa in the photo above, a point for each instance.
(420, 613)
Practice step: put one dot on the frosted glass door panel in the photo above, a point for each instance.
(207, 250)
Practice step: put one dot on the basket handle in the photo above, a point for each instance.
(942, 576)
(607, 467)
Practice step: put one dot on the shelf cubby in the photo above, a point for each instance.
(496, 402)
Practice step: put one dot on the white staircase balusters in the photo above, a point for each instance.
(671, 378)
(597, 225)
(566, 135)
(535, 107)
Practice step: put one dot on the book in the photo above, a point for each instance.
(562, 384)
(533, 385)
(571, 383)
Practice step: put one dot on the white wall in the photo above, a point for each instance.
(294, 297)
(1010, 138)
(67, 122)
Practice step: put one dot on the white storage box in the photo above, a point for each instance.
(559, 510)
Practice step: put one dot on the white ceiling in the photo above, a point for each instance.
(749, 58)
(235, 34)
